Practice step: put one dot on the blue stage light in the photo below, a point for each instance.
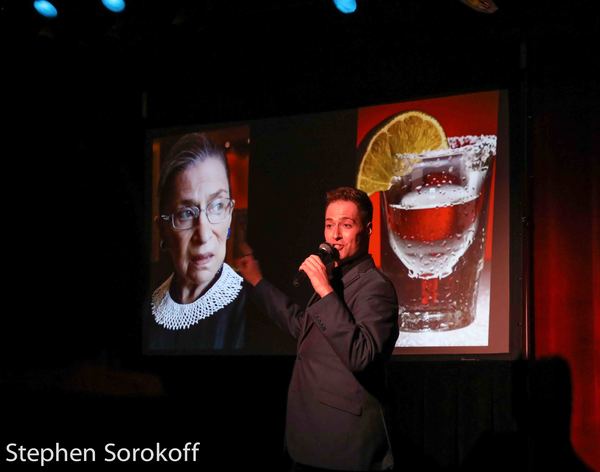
(345, 6)
(116, 6)
(45, 8)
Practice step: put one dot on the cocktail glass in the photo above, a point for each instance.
(436, 211)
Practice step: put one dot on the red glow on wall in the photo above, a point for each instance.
(567, 268)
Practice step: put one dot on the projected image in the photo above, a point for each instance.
(430, 167)
(200, 217)
(437, 173)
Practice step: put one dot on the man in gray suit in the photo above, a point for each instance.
(346, 333)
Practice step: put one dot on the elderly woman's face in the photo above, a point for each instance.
(198, 252)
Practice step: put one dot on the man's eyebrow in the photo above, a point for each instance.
(341, 219)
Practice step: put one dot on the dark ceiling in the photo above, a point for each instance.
(245, 59)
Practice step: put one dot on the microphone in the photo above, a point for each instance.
(328, 255)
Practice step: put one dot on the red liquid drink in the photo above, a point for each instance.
(436, 216)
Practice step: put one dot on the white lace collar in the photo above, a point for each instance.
(172, 315)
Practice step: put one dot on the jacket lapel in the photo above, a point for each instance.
(348, 279)
(354, 274)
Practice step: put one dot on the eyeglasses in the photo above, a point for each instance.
(216, 211)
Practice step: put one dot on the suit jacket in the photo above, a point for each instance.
(334, 412)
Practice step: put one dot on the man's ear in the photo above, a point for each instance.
(369, 227)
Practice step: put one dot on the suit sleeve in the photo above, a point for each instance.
(279, 307)
(364, 332)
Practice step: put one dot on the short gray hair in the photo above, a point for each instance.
(186, 152)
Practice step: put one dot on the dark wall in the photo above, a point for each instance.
(79, 102)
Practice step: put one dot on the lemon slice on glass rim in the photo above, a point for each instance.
(408, 132)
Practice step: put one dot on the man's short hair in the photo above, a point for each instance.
(351, 194)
